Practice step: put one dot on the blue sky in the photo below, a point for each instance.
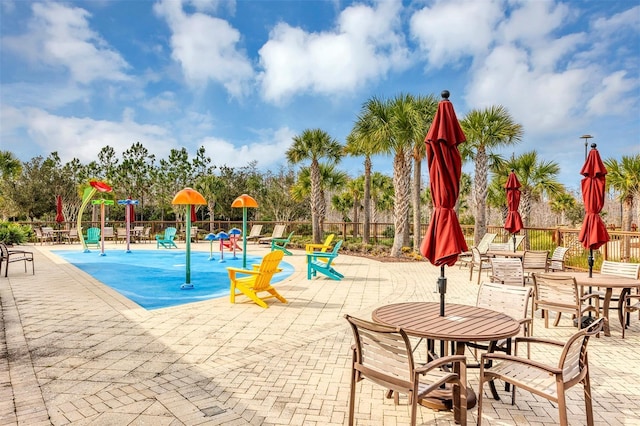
(241, 78)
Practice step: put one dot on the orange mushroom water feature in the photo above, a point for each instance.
(188, 197)
(244, 201)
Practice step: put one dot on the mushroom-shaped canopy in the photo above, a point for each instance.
(211, 237)
(235, 231)
(222, 235)
(244, 200)
(188, 196)
(101, 186)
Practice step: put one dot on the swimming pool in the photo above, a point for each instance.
(153, 278)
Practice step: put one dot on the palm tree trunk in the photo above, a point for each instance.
(480, 189)
(316, 200)
(366, 230)
(401, 185)
(417, 210)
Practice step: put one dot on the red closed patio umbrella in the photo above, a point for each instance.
(444, 240)
(59, 215)
(513, 222)
(593, 233)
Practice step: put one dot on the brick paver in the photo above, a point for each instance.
(76, 352)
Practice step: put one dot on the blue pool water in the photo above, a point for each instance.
(152, 278)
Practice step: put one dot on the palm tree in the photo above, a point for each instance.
(330, 179)
(624, 178)
(392, 126)
(562, 203)
(358, 144)
(538, 180)
(315, 144)
(209, 186)
(486, 130)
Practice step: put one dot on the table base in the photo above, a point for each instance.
(442, 399)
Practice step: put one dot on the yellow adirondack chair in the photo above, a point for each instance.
(257, 280)
(320, 248)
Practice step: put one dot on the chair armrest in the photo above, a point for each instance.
(588, 296)
(19, 251)
(439, 362)
(243, 271)
(494, 356)
(279, 240)
(526, 339)
(323, 255)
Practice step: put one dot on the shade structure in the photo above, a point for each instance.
(244, 201)
(444, 240)
(59, 215)
(188, 197)
(593, 233)
(513, 222)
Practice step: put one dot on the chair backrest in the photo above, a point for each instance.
(327, 243)
(483, 245)
(535, 260)
(556, 291)
(4, 251)
(476, 257)
(573, 360)
(622, 269)
(267, 268)
(93, 234)
(121, 232)
(507, 270)
(194, 231)
(336, 247)
(170, 233)
(500, 246)
(108, 231)
(255, 231)
(519, 240)
(382, 353)
(278, 231)
(556, 262)
(508, 299)
(47, 230)
(73, 233)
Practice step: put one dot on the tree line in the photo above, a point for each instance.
(311, 185)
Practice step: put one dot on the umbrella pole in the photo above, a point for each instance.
(442, 289)
(514, 243)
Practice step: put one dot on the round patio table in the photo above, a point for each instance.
(461, 324)
(608, 282)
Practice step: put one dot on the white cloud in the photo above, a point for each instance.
(206, 48)
(366, 44)
(613, 98)
(60, 36)
(83, 138)
(541, 101)
(450, 30)
(268, 151)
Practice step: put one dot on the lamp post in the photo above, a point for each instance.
(586, 142)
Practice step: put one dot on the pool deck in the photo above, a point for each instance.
(76, 352)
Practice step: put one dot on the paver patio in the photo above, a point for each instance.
(76, 352)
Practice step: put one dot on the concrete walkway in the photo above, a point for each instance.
(73, 351)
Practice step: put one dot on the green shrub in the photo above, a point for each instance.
(13, 233)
